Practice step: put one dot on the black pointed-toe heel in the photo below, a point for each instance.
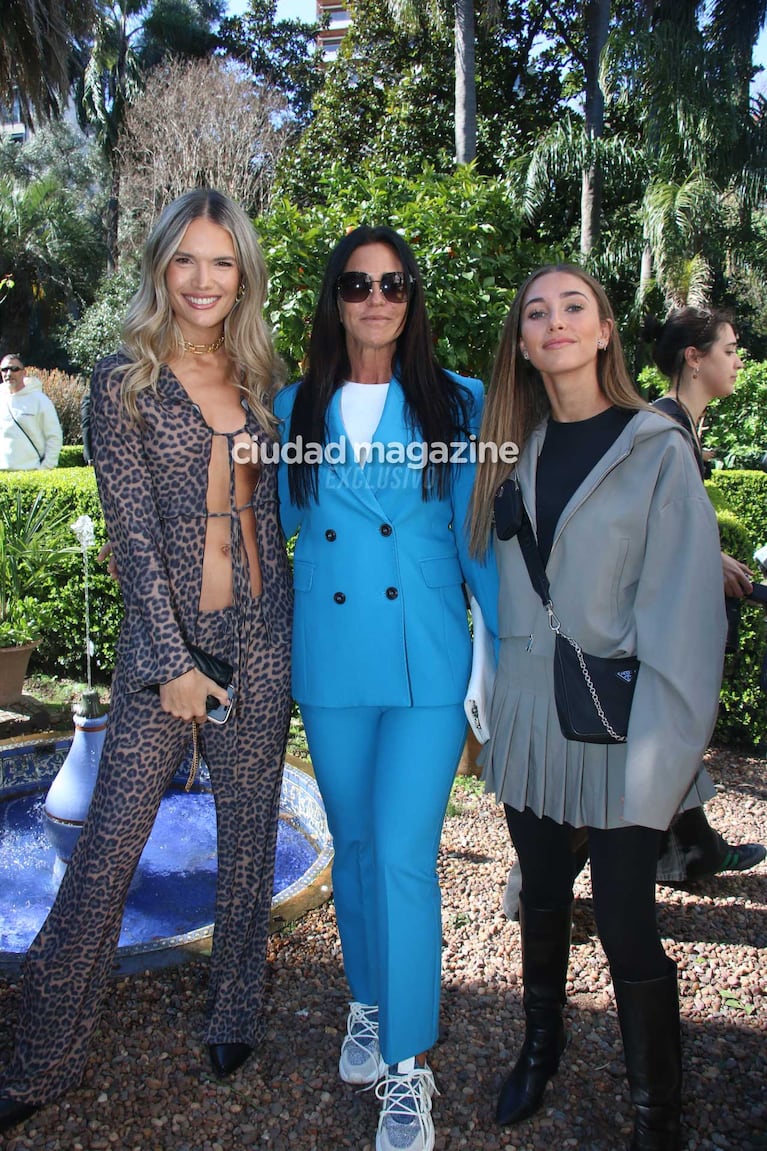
(13, 1112)
(225, 1058)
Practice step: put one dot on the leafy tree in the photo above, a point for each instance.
(50, 236)
(282, 54)
(706, 157)
(463, 228)
(99, 329)
(131, 36)
(390, 94)
(35, 51)
(385, 82)
(234, 139)
(179, 29)
(413, 13)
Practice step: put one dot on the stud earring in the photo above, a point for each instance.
(525, 355)
(600, 344)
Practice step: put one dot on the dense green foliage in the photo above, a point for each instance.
(677, 157)
(463, 229)
(740, 499)
(58, 592)
(50, 239)
(736, 427)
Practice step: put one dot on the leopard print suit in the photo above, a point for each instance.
(152, 482)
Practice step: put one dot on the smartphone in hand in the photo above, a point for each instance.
(219, 712)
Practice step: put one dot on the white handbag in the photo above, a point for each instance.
(480, 690)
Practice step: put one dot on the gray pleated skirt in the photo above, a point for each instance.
(527, 761)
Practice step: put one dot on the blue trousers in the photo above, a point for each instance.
(385, 776)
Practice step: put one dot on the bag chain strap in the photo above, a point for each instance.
(195, 755)
(556, 627)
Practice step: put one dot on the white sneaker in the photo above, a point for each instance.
(361, 1062)
(405, 1123)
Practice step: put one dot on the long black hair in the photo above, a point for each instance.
(437, 407)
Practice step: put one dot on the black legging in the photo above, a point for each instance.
(623, 863)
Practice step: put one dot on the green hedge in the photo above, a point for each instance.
(740, 499)
(62, 651)
(71, 456)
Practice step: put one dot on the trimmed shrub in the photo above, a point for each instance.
(62, 651)
(742, 719)
(66, 392)
(745, 494)
(71, 456)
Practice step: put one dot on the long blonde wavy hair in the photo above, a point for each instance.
(151, 336)
(516, 400)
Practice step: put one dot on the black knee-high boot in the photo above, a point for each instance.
(649, 1019)
(545, 952)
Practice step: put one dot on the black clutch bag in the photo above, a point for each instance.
(213, 667)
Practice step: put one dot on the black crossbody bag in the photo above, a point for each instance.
(593, 694)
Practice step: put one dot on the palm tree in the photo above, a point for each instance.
(49, 245)
(35, 52)
(111, 82)
(597, 26)
(132, 36)
(412, 11)
(680, 81)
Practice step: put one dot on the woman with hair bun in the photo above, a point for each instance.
(697, 349)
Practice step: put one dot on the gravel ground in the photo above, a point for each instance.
(147, 1087)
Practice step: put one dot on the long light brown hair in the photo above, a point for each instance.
(516, 400)
(151, 336)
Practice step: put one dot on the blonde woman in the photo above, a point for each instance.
(190, 504)
(625, 532)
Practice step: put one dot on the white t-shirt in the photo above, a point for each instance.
(361, 408)
(29, 430)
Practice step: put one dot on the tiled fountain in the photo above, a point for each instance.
(169, 913)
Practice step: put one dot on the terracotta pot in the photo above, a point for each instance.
(13, 671)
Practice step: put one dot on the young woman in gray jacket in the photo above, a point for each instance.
(625, 530)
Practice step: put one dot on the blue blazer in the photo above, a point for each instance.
(380, 613)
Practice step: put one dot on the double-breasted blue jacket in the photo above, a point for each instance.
(380, 612)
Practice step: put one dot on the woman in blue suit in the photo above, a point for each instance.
(379, 440)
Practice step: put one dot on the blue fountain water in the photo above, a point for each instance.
(173, 891)
(172, 897)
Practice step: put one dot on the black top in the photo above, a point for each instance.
(670, 407)
(570, 451)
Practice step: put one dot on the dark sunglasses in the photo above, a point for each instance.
(11, 369)
(354, 287)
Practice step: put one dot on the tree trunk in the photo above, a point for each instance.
(465, 83)
(113, 216)
(597, 24)
(645, 272)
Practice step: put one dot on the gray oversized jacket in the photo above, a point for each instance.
(635, 568)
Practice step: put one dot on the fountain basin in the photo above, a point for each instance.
(170, 908)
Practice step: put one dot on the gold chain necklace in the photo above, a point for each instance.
(204, 349)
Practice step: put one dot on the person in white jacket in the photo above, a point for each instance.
(625, 531)
(30, 432)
